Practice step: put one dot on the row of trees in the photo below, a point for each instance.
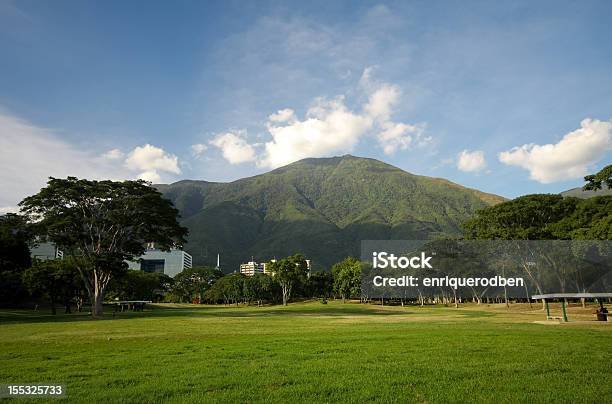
(59, 283)
(289, 278)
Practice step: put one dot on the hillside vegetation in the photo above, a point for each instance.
(321, 207)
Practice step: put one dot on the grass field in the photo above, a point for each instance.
(309, 352)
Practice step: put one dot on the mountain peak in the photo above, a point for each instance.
(321, 207)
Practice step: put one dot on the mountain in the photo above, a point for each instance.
(321, 207)
(579, 193)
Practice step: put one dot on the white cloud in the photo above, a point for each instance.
(198, 149)
(30, 154)
(570, 158)
(114, 154)
(149, 160)
(381, 102)
(401, 136)
(234, 147)
(330, 127)
(471, 161)
(283, 115)
(151, 176)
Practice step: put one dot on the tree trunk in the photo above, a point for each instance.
(99, 285)
(97, 304)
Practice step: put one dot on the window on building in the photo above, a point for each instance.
(152, 265)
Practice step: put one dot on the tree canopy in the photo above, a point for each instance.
(191, 284)
(289, 273)
(347, 277)
(543, 217)
(56, 279)
(104, 223)
(597, 181)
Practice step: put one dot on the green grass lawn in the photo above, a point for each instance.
(309, 352)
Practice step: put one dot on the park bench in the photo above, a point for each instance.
(135, 305)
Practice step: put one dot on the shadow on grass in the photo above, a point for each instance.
(297, 309)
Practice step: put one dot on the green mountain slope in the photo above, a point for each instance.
(321, 207)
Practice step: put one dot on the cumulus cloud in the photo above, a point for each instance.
(401, 136)
(234, 147)
(381, 102)
(30, 154)
(284, 115)
(471, 161)
(570, 158)
(198, 149)
(149, 160)
(114, 154)
(328, 127)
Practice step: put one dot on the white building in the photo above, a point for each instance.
(167, 262)
(153, 260)
(251, 268)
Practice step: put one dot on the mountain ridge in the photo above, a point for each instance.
(580, 193)
(322, 207)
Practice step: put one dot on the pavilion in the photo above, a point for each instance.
(564, 296)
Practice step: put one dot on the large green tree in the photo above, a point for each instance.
(347, 278)
(290, 273)
(191, 284)
(57, 280)
(229, 289)
(600, 180)
(140, 285)
(104, 223)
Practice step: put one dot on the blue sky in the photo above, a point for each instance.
(510, 98)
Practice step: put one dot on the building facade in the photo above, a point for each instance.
(153, 260)
(251, 268)
(166, 262)
(46, 251)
